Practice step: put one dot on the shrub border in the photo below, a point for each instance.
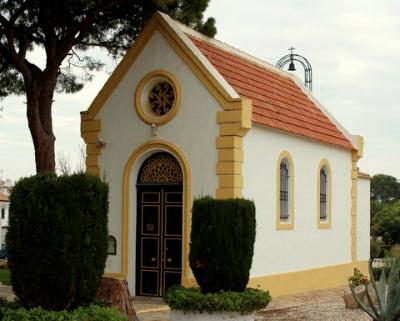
(192, 300)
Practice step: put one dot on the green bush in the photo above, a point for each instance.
(222, 243)
(57, 240)
(191, 299)
(91, 313)
(387, 223)
(5, 277)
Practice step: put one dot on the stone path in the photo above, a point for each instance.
(321, 305)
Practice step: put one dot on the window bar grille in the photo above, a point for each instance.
(322, 196)
(284, 191)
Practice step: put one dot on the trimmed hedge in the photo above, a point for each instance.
(11, 312)
(57, 240)
(192, 300)
(222, 243)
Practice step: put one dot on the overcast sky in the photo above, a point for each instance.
(353, 47)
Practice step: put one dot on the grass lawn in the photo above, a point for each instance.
(5, 278)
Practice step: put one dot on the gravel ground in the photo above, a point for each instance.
(333, 311)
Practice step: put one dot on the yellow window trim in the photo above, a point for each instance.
(326, 224)
(142, 107)
(279, 224)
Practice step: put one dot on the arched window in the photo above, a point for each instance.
(323, 191)
(324, 195)
(285, 192)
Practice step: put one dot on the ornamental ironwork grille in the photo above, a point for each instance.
(323, 181)
(161, 98)
(284, 190)
(161, 168)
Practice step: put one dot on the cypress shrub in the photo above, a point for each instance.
(57, 240)
(222, 243)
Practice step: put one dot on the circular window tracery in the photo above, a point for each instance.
(161, 98)
(157, 97)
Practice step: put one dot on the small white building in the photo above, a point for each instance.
(184, 116)
(4, 209)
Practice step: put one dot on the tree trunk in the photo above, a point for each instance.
(39, 104)
(116, 293)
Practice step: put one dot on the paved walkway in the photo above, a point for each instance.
(154, 309)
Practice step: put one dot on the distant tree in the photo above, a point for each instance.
(385, 188)
(65, 30)
(386, 223)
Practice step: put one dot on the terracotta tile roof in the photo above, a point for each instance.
(4, 198)
(278, 102)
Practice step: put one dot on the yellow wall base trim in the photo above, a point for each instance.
(307, 280)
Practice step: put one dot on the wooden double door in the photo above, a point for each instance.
(159, 238)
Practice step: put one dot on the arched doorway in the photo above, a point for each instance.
(159, 225)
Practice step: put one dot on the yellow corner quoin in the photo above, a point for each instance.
(156, 145)
(290, 224)
(328, 223)
(355, 156)
(90, 132)
(141, 101)
(234, 124)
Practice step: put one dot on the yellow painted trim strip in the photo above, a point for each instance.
(354, 183)
(228, 192)
(308, 280)
(187, 185)
(232, 154)
(90, 137)
(93, 149)
(229, 168)
(234, 124)
(328, 223)
(290, 224)
(92, 125)
(230, 181)
(230, 142)
(90, 132)
(304, 280)
(94, 170)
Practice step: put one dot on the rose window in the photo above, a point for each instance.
(161, 98)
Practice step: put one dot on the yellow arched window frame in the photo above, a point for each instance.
(285, 192)
(324, 195)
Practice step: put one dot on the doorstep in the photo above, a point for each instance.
(150, 308)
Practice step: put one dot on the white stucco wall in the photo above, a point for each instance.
(193, 130)
(363, 219)
(306, 246)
